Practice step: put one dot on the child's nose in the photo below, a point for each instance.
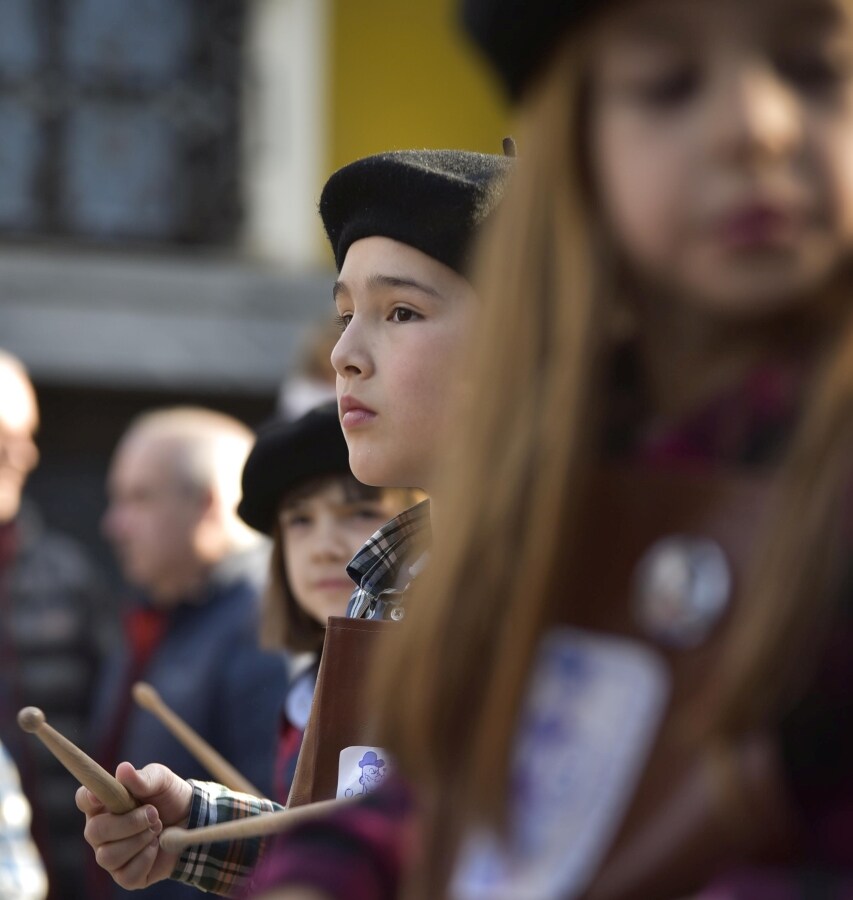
(349, 356)
(329, 542)
(757, 117)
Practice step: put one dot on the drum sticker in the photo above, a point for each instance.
(361, 770)
(588, 721)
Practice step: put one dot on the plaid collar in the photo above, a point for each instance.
(376, 567)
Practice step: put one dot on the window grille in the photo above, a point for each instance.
(120, 120)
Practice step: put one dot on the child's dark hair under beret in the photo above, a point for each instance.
(432, 200)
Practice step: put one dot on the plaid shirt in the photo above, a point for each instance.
(377, 568)
(224, 867)
(22, 875)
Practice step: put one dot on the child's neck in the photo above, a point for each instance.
(688, 356)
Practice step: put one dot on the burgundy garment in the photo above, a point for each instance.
(9, 544)
(144, 628)
(356, 853)
(780, 884)
(287, 753)
(746, 425)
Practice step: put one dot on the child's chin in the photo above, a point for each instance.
(373, 469)
(370, 474)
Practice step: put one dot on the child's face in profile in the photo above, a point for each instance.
(320, 534)
(722, 141)
(407, 320)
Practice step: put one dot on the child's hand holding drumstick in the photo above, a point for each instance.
(127, 845)
(126, 815)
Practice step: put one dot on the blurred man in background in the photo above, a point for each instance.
(173, 486)
(54, 628)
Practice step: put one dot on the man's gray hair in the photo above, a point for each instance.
(208, 450)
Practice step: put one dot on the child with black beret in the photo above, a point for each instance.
(400, 225)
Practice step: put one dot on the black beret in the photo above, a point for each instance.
(432, 200)
(286, 454)
(517, 36)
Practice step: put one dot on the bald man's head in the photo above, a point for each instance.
(174, 484)
(18, 425)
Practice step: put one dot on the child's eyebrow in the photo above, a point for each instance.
(642, 26)
(378, 280)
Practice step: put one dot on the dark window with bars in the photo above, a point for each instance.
(120, 120)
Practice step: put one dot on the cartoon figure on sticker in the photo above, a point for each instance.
(372, 772)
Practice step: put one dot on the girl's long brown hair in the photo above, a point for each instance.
(796, 575)
(449, 690)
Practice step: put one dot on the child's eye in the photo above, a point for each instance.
(812, 72)
(670, 89)
(368, 512)
(296, 520)
(403, 314)
(343, 320)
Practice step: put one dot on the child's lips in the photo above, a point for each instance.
(355, 417)
(354, 412)
(333, 584)
(757, 226)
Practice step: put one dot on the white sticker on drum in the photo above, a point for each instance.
(588, 721)
(361, 770)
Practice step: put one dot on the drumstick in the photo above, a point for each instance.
(174, 840)
(219, 767)
(113, 795)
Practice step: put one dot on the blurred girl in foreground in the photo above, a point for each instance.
(669, 282)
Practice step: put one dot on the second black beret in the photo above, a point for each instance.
(286, 454)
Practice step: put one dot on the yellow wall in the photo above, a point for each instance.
(402, 76)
